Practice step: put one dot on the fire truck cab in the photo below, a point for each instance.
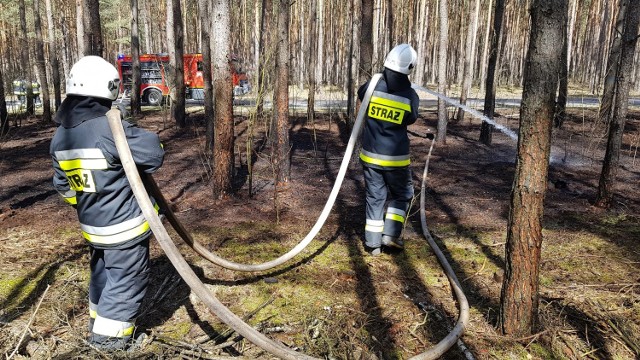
(154, 88)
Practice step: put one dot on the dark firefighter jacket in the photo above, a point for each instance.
(89, 175)
(393, 106)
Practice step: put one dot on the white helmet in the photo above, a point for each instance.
(401, 58)
(93, 76)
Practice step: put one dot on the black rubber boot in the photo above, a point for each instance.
(108, 343)
(392, 241)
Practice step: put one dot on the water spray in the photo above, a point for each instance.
(510, 133)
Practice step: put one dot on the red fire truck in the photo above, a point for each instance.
(154, 88)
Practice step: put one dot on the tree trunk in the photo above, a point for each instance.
(354, 52)
(24, 58)
(441, 137)
(53, 56)
(205, 31)
(146, 20)
(366, 41)
(4, 114)
(619, 111)
(485, 50)
(563, 88)
(313, 35)
(519, 297)
(41, 64)
(613, 64)
(282, 147)
(223, 100)
(176, 62)
(80, 35)
(135, 61)
(92, 29)
(469, 57)
(486, 129)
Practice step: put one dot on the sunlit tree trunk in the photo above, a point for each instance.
(223, 100)
(613, 65)
(135, 61)
(313, 35)
(443, 42)
(486, 130)
(353, 61)
(282, 147)
(469, 57)
(176, 62)
(205, 31)
(619, 111)
(53, 55)
(41, 64)
(79, 29)
(519, 297)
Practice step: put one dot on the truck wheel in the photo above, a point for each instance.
(153, 97)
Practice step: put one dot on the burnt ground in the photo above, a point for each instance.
(333, 300)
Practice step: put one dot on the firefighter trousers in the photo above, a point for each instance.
(119, 279)
(395, 186)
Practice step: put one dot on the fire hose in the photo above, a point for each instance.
(204, 252)
(222, 312)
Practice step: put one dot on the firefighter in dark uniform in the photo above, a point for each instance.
(385, 150)
(89, 175)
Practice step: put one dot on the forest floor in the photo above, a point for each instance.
(334, 301)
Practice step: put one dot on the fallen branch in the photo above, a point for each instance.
(26, 328)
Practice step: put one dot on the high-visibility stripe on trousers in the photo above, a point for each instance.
(381, 185)
(119, 279)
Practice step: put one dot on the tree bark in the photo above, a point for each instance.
(519, 297)
(205, 31)
(53, 56)
(4, 114)
(366, 41)
(223, 100)
(486, 130)
(25, 60)
(313, 35)
(136, 79)
(441, 136)
(41, 64)
(93, 44)
(176, 62)
(282, 147)
(469, 57)
(619, 111)
(80, 35)
(354, 52)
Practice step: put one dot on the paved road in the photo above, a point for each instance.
(301, 104)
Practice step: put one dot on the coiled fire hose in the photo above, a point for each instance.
(210, 300)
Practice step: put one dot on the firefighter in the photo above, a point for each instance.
(385, 150)
(89, 175)
(20, 91)
(35, 86)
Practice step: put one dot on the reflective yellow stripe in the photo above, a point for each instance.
(395, 217)
(387, 102)
(112, 328)
(374, 229)
(117, 238)
(93, 314)
(71, 200)
(121, 233)
(390, 163)
(87, 164)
